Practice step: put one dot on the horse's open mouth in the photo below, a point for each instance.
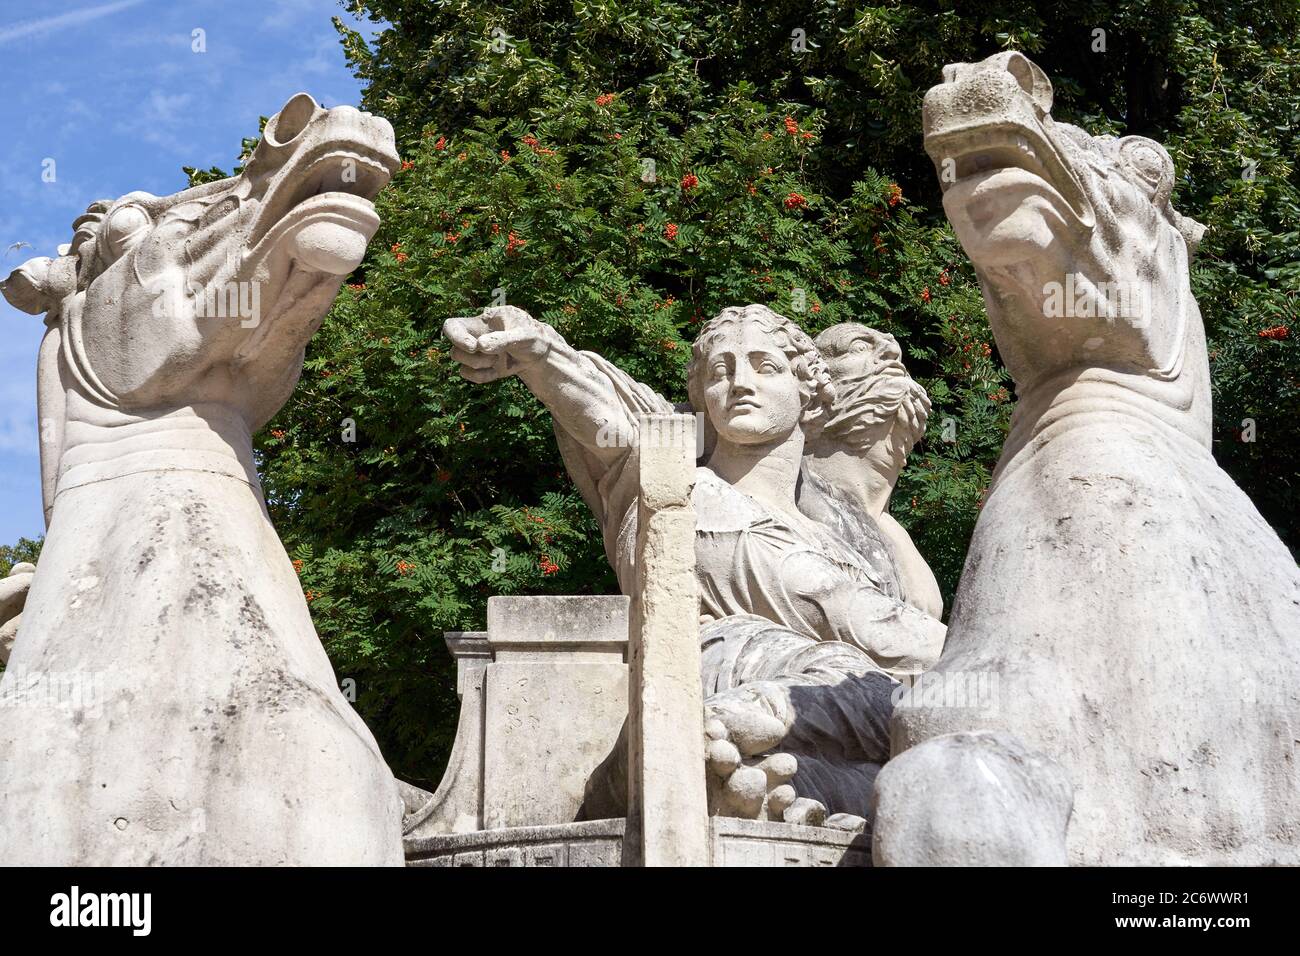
(988, 159)
(314, 225)
(347, 171)
(321, 211)
(339, 178)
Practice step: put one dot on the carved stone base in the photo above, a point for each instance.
(733, 842)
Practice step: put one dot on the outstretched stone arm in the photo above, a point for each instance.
(593, 404)
(575, 386)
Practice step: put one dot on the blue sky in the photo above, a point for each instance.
(114, 93)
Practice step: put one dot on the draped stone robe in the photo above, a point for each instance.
(808, 610)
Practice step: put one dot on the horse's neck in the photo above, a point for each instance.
(111, 457)
(159, 544)
(100, 444)
(1170, 400)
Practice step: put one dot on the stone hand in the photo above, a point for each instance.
(500, 341)
(744, 778)
(13, 594)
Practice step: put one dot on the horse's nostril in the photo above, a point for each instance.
(291, 120)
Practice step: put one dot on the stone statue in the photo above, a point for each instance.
(13, 594)
(802, 617)
(1142, 618)
(878, 414)
(167, 699)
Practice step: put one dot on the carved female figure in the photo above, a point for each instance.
(802, 623)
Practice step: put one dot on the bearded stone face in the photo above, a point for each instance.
(878, 409)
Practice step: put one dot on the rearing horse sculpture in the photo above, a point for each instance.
(1141, 618)
(169, 699)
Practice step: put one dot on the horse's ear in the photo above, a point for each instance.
(39, 285)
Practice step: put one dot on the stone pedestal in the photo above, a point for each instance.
(731, 842)
(555, 698)
(543, 697)
(668, 815)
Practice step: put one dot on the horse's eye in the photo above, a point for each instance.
(1150, 163)
(125, 227)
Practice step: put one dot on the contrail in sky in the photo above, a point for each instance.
(75, 18)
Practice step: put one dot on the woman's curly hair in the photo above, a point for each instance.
(805, 361)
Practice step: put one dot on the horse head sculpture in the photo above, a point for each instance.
(208, 726)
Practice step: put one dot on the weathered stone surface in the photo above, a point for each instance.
(668, 810)
(543, 698)
(590, 843)
(457, 805)
(548, 725)
(765, 843)
(556, 697)
(207, 725)
(526, 627)
(1142, 618)
(971, 799)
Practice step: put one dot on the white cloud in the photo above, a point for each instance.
(73, 18)
(164, 119)
(289, 12)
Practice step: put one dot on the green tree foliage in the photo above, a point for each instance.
(787, 169)
(25, 551)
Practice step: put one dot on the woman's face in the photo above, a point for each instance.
(751, 393)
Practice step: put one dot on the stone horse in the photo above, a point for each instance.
(1142, 619)
(169, 699)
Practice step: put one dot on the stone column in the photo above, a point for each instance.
(668, 822)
